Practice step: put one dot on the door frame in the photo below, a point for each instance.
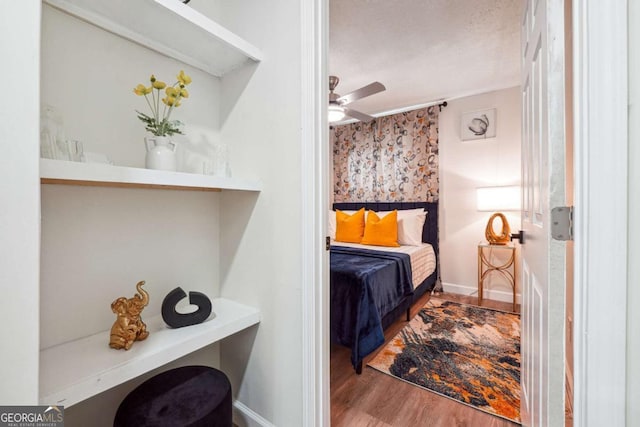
(601, 202)
(600, 120)
(314, 179)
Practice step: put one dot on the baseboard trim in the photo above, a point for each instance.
(245, 416)
(491, 294)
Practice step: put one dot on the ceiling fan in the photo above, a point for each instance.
(337, 109)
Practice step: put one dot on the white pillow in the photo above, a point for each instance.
(410, 225)
(331, 222)
(410, 229)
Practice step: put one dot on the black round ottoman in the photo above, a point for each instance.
(190, 396)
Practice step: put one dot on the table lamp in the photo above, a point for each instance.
(494, 199)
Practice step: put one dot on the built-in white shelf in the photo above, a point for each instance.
(168, 27)
(103, 175)
(77, 370)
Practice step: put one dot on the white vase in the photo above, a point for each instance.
(161, 153)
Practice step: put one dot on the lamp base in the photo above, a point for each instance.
(505, 233)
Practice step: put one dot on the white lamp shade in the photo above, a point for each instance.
(335, 113)
(497, 199)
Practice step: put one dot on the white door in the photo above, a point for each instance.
(543, 259)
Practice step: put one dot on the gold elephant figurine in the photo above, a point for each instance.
(129, 326)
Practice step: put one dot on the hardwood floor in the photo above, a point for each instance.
(374, 399)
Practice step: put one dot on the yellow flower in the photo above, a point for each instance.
(158, 121)
(171, 101)
(141, 90)
(172, 92)
(183, 78)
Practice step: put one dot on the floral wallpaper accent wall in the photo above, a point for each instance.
(392, 159)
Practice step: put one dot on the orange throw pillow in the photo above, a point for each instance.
(381, 232)
(349, 228)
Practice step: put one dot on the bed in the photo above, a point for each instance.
(372, 286)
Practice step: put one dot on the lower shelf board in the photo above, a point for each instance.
(74, 371)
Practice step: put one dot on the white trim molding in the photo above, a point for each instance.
(20, 206)
(249, 417)
(600, 154)
(633, 292)
(491, 294)
(314, 179)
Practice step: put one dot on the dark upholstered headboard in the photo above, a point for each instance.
(430, 230)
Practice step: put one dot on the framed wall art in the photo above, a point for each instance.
(478, 125)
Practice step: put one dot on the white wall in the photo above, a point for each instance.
(465, 166)
(89, 75)
(260, 262)
(97, 243)
(20, 200)
(633, 278)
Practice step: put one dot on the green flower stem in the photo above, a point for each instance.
(169, 112)
(164, 110)
(158, 106)
(171, 108)
(166, 114)
(146, 98)
(153, 96)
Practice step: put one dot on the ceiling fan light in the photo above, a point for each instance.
(336, 113)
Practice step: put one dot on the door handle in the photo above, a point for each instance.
(519, 236)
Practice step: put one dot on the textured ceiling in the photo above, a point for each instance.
(423, 50)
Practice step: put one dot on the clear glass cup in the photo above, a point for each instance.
(51, 133)
(207, 167)
(74, 150)
(220, 159)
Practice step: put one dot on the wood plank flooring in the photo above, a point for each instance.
(374, 399)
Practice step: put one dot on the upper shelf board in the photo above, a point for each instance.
(168, 27)
(102, 175)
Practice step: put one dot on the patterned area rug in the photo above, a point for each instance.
(467, 353)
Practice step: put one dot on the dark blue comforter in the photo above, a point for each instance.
(365, 285)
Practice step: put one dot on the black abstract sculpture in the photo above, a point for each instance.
(479, 125)
(178, 320)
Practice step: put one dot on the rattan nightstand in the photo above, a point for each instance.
(487, 264)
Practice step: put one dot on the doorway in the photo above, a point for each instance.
(360, 83)
(599, 323)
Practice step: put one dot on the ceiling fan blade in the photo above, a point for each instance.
(358, 115)
(364, 91)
